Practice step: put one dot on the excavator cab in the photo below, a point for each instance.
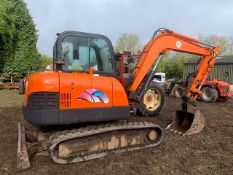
(79, 51)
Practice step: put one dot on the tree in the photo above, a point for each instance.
(226, 43)
(24, 54)
(128, 42)
(172, 63)
(7, 31)
(163, 61)
(45, 60)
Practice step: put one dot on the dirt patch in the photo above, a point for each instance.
(209, 152)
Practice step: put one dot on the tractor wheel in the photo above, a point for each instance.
(21, 87)
(177, 91)
(209, 94)
(152, 101)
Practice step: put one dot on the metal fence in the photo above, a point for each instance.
(222, 72)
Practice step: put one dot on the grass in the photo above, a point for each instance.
(159, 168)
(216, 173)
(6, 167)
(212, 160)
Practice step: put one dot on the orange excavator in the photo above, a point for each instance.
(85, 89)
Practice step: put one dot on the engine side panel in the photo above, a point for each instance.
(119, 95)
(74, 98)
(41, 82)
(72, 85)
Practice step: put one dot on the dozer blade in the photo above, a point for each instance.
(22, 154)
(187, 123)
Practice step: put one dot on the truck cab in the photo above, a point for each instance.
(159, 77)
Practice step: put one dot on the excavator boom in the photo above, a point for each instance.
(164, 40)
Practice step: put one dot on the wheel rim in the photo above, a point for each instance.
(151, 99)
(178, 92)
(206, 93)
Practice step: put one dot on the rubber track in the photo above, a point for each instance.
(61, 136)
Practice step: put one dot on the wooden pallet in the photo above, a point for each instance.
(11, 86)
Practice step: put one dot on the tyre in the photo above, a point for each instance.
(152, 101)
(21, 87)
(209, 94)
(177, 91)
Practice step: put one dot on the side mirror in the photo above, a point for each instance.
(117, 56)
(59, 62)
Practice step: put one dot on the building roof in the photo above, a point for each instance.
(219, 60)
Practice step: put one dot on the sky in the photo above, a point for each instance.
(140, 17)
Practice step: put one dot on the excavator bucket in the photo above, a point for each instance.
(187, 123)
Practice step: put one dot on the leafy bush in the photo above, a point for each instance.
(18, 38)
(172, 63)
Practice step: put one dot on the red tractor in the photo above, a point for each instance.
(215, 91)
(212, 91)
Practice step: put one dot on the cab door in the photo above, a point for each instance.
(103, 88)
(102, 108)
(101, 61)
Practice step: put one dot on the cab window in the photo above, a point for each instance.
(81, 53)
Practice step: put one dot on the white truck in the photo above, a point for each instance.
(159, 77)
(171, 86)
